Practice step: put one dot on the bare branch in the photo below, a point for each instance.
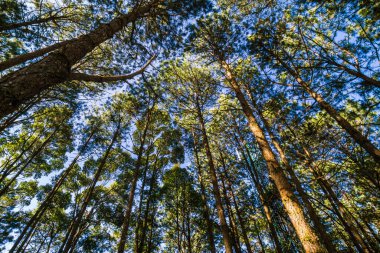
(104, 79)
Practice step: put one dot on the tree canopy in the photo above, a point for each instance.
(190, 126)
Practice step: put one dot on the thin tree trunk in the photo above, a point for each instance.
(214, 180)
(37, 152)
(309, 239)
(266, 209)
(340, 210)
(234, 230)
(206, 210)
(127, 213)
(149, 201)
(236, 206)
(259, 238)
(355, 134)
(138, 225)
(86, 201)
(45, 204)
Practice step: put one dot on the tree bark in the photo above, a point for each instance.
(309, 239)
(355, 134)
(127, 213)
(20, 86)
(206, 211)
(305, 199)
(214, 180)
(90, 190)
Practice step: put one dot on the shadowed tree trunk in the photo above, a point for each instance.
(214, 180)
(206, 210)
(78, 219)
(127, 214)
(24, 235)
(22, 85)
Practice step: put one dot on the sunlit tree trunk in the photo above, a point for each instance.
(355, 134)
(305, 199)
(308, 237)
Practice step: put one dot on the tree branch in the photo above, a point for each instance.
(104, 79)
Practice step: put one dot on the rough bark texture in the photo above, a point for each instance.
(309, 239)
(305, 199)
(22, 85)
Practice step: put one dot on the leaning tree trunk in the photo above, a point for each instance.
(308, 237)
(24, 235)
(78, 220)
(136, 173)
(355, 134)
(22, 85)
(305, 199)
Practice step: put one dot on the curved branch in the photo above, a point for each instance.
(104, 79)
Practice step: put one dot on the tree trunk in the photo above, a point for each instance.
(214, 180)
(37, 152)
(127, 214)
(47, 201)
(309, 239)
(236, 206)
(355, 134)
(339, 209)
(20, 86)
(86, 201)
(305, 199)
(206, 210)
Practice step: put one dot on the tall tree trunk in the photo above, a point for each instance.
(355, 134)
(37, 152)
(262, 196)
(338, 207)
(88, 197)
(139, 219)
(127, 213)
(234, 201)
(234, 231)
(24, 235)
(206, 210)
(140, 248)
(309, 239)
(214, 180)
(9, 166)
(259, 237)
(22, 85)
(305, 199)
